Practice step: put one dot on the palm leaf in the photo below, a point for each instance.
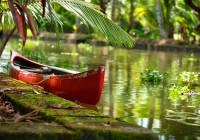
(6, 19)
(37, 9)
(91, 15)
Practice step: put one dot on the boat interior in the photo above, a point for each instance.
(36, 68)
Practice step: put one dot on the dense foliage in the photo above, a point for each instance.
(177, 19)
(184, 85)
(23, 14)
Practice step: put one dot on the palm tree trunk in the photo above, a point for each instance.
(160, 19)
(131, 18)
(102, 6)
(118, 9)
(114, 2)
(168, 24)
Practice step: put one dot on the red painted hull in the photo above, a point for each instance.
(85, 87)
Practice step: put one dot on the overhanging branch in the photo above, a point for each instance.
(4, 41)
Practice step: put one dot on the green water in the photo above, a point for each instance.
(124, 96)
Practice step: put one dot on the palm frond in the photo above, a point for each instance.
(91, 15)
(6, 19)
(88, 12)
(36, 10)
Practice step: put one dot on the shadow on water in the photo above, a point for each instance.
(125, 97)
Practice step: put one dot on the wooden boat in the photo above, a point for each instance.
(85, 87)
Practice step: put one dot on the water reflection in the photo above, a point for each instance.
(124, 96)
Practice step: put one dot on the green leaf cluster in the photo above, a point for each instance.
(177, 91)
(188, 77)
(89, 13)
(151, 76)
(183, 85)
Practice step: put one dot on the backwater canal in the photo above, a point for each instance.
(125, 96)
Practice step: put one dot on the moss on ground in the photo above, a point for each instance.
(73, 122)
(34, 131)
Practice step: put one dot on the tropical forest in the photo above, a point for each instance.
(100, 69)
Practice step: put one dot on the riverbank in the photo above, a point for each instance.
(165, 45)
(140, 43)
(59, 118)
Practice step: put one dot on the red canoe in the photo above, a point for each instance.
(85, 87)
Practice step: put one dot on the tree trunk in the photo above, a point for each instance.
(102, 6)
(118, 9)
(131, 18)
(160, 19)
(169, 25)
(1, 42)
(78, 24)
(184, 34)
(4, 39)
(114, 2)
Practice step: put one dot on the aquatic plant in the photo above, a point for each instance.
(177, 91)
(183, 86)
(151, 76)
(188, 77)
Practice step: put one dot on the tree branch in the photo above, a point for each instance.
(4, 41)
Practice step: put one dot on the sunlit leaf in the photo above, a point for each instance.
(92, 16)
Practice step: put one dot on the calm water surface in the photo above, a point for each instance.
(125, 97)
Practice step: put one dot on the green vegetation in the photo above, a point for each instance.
(185, 94)
(124, 96)
(151, 76)
(182, 88)
(188, 78)
(64, 118)
(174, 19)
(177, 92)
(21, 15)
(184, 85)
(168, 19)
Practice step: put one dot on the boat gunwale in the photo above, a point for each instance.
(96, 71)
